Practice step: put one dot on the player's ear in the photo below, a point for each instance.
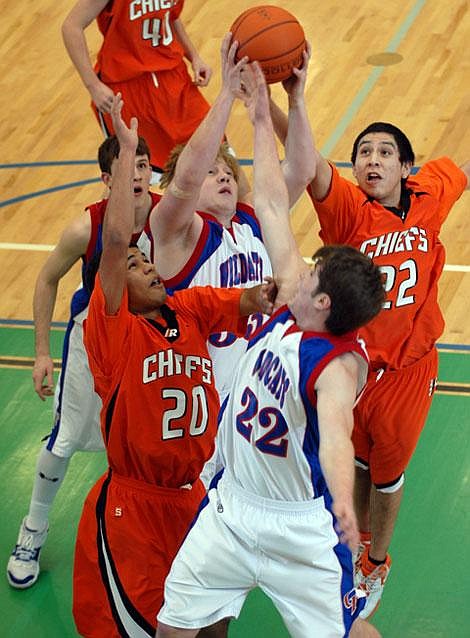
(405, 170)
(106, 179)
(322, 301)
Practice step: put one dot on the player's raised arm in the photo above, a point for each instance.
(270, 192)
(119, 218)
(321, 169)
(173, 222)
(299, 163)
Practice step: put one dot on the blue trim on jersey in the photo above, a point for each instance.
(65, 355)
(244, 217)
(213, 241)
(311, 351)
(81, 298)
(351, 604)
(222, 410)
(282, 316)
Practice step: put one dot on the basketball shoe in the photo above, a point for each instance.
(371, 580)
(23, 566)
(364, 544)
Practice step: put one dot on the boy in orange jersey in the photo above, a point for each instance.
(142, 57)
(76, 406)
(394, 217)
(149, 359)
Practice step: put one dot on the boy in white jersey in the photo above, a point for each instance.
(282, 517)
(203, 235)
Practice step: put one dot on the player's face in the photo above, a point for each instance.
(145, 288)
(378, 169)
(302, 303)
(141, 181)
(219, 190)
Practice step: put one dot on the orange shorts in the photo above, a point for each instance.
(127, 538)
(168, 105)
(390, 416)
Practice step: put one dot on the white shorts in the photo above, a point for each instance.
(76, 405)
(288, 549)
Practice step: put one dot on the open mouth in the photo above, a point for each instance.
(225, 191)
(155, 282)
(373, 178)
(138, 190)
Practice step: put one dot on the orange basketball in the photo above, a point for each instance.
(273, 36)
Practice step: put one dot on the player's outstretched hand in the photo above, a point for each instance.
(258, 298)
(231, 70)
(255, 91)
(268, 294)
(347, 524)
(127, 136)
(43, 376)
(295, 83)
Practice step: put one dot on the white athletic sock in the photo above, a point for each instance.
(50, 472)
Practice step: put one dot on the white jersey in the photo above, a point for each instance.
(234, 257)
(269, 431)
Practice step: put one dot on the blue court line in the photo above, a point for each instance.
(370, 82)
(61, 187)
(46, 191)
(243, 162)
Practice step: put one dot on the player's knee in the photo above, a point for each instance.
(391, 486)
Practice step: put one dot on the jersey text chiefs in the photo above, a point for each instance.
(168, 363)
(396, 242)
(138, 8)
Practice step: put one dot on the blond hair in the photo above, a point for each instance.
(224, 153)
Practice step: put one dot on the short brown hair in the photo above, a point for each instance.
(353, 283)
(109, 151)
(223, 154)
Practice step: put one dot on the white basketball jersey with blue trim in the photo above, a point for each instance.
(234, 257)
(269, 436)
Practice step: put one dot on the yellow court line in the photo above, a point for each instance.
(32, 247)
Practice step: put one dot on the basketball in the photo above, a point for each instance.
(273, 37)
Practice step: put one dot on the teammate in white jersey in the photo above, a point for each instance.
(76, 406)
(202, 234)
(281, 517)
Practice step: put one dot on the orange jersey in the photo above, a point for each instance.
(138, 38)
(408, 251)
(160, 405)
